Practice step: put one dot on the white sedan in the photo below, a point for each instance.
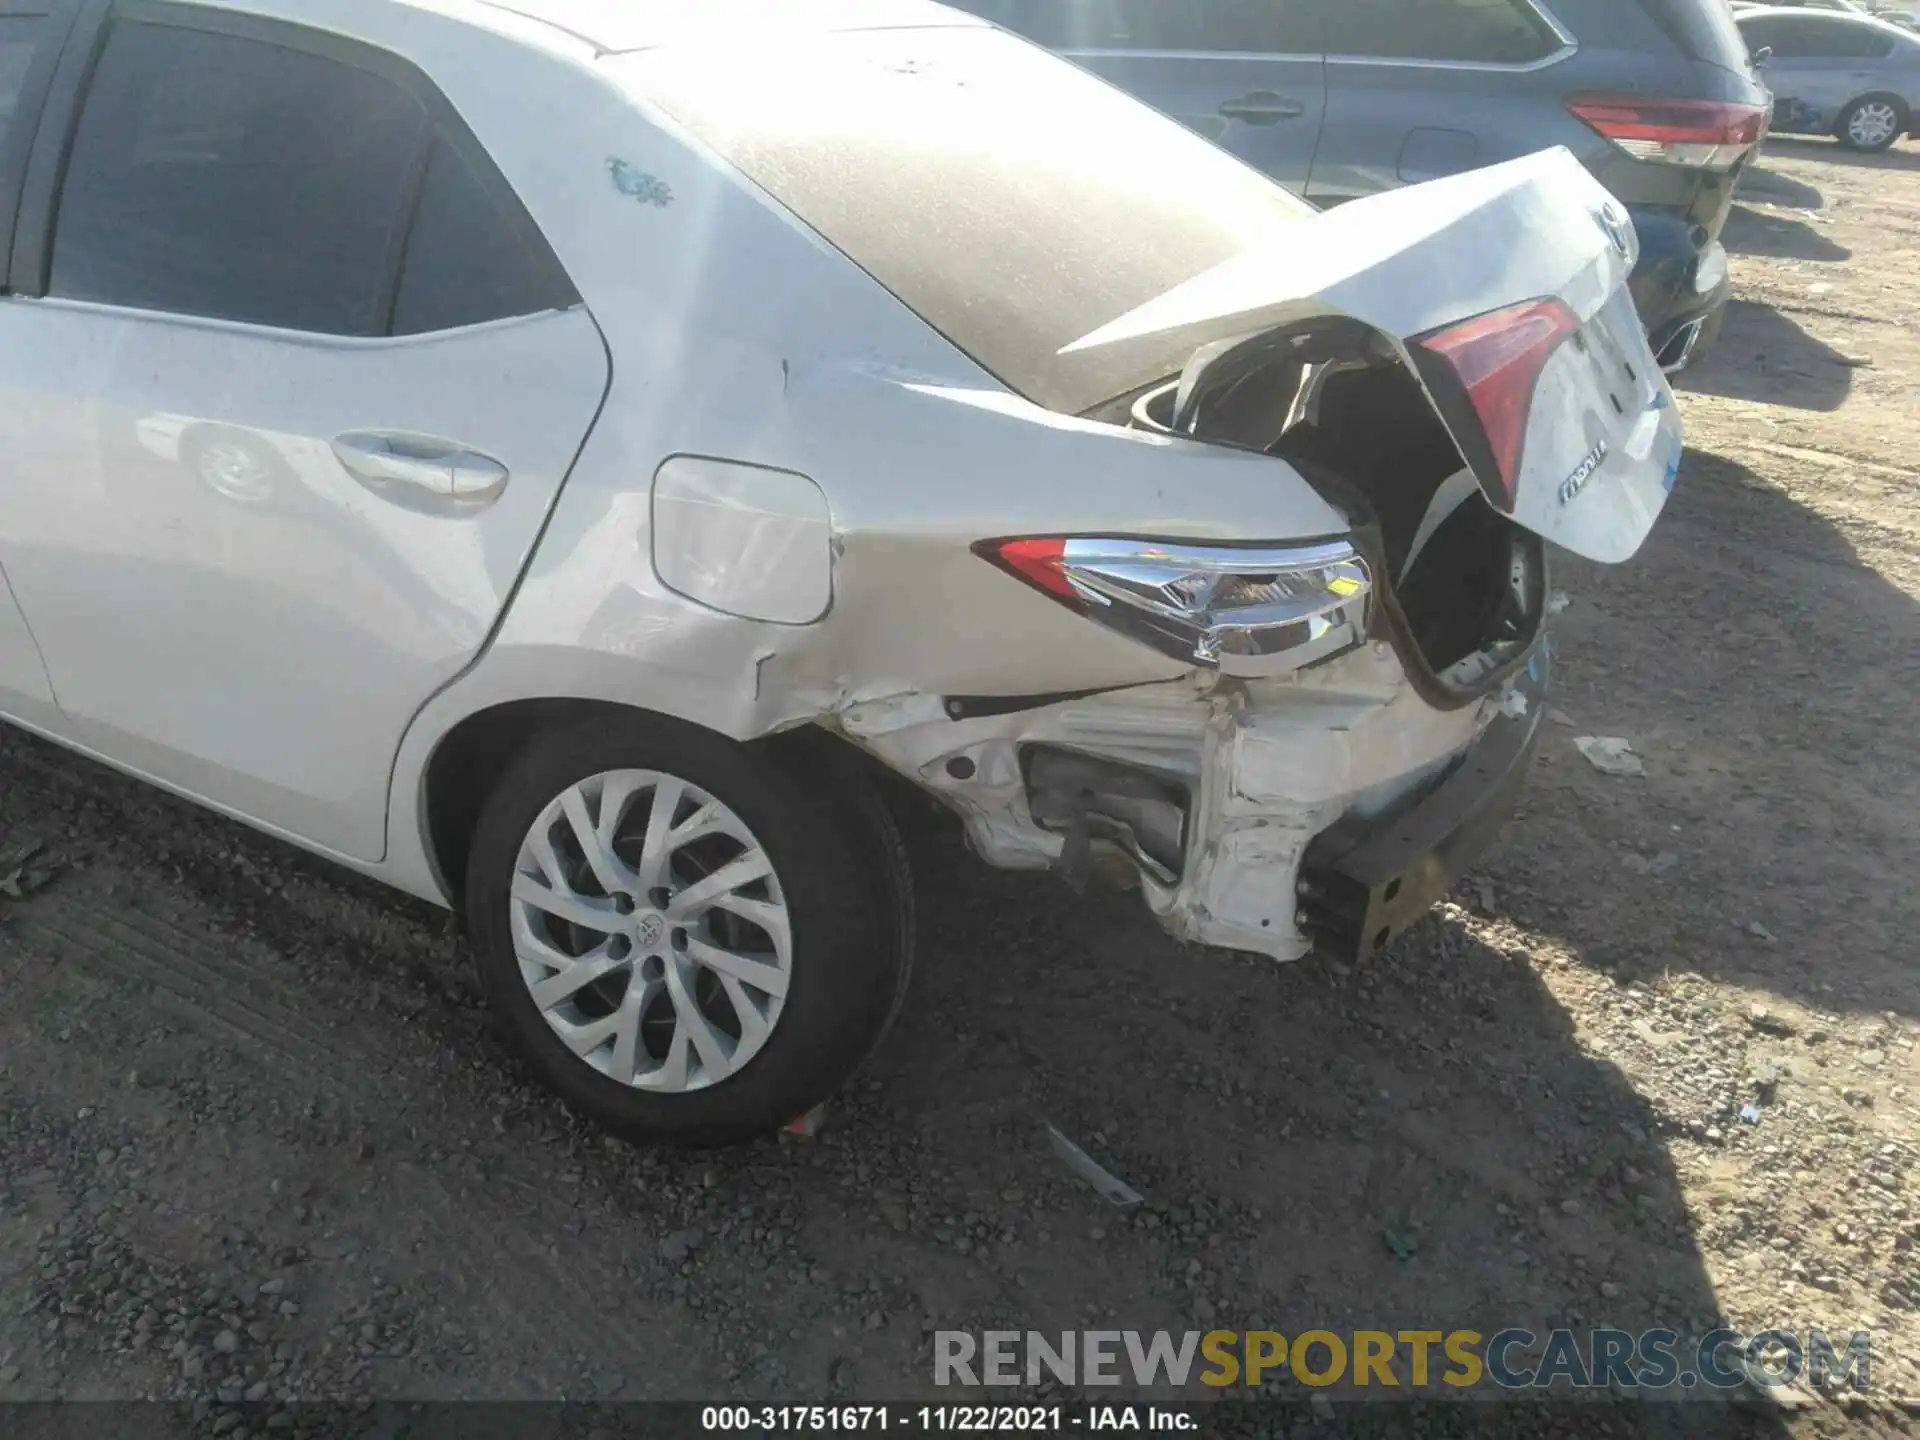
(557, 456)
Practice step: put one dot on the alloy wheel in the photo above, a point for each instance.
(651, 930)
(1873, 124)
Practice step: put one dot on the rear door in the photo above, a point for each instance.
(288, 386)
(1247, 74)
(1421, 89)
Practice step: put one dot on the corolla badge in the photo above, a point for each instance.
(1577, 481)
(1617, 228)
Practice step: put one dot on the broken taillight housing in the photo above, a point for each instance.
(1497, 358)
(1249, 610)
(1706, 134)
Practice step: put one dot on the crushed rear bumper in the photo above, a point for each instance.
(1364, 881)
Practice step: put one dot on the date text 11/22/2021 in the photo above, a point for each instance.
(946, 1419)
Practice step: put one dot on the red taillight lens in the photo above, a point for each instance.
(1038, 562)
(1709, 133)
(1497, 358)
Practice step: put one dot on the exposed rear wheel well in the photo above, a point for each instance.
(462, 771)
(466, 764)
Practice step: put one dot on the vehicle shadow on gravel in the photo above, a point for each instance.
(1421, 1142)
(1905, 155)
(1749, 232)
(1763, 674)
(1763, 355)
(1774, 188)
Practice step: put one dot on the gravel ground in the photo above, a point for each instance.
(259, 1146)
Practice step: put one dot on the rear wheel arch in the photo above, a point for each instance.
(466, 763)
(460, 773)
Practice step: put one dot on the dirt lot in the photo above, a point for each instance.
(258, 1141)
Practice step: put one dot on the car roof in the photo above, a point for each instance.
(618, 26)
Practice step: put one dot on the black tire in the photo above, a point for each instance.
(1902, 117)
(842, 870)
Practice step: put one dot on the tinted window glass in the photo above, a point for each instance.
(1703, 29)
(1260, 26)
(1860, 42)
(220, 176)
(17, 34)
(1814, 38)
(467, 260)
(1487, 32)
(1016, 203)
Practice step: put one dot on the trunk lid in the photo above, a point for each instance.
(1601, 441)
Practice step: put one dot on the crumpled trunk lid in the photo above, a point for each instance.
(1602, 439)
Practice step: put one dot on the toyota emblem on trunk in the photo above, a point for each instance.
(1618, 229)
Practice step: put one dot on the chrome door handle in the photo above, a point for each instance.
(1263, 107)
(414, 470)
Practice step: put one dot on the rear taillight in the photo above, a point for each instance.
(1250, 610)
(1497, 358)
(1706, 134)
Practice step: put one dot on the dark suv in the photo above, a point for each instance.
(1341, 98)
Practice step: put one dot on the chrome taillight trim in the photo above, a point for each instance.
(1178, 598)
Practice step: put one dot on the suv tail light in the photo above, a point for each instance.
(1705, 134)
(1243, 611)
(1497, 358)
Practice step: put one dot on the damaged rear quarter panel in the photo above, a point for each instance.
(736, 333)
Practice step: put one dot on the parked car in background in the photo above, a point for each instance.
(1849, 76)
(558, 458)
(1342, 98)
(1905, 17)
(1836, 7)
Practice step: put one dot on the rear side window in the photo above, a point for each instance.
(223, 176)
(218, 176)
(1273, 27)
(1703, 29)
(1482, 32)
(17, 36)
(470, 258)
